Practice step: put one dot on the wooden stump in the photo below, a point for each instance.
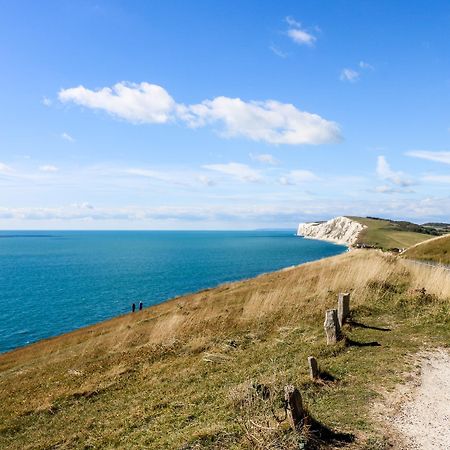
(294, 406)
(313, 367)
(331, 326)
(343, 307)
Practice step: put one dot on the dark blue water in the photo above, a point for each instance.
(54, 282)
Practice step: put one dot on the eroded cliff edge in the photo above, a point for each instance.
(340, 230)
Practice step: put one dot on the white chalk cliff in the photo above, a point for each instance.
(340, 230)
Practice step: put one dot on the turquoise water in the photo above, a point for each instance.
(57, 281)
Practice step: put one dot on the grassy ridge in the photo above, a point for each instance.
(387, 234)
(436, 250)
(180, 375)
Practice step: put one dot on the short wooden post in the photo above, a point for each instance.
(331, 326)
(343, 307)
(313, 367)
(294, 406)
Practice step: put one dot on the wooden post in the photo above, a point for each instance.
(313, 367)
(331, 326)
(294, 406)
(343, 307)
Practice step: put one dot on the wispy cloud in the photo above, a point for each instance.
(444, 179)
(352, 75)
(5, 169)
(298, 34)
(442, 157)
(48, 168)
(386, 189)
(385, 172)
(67, 137)
(349, 75)
(295, 177)
(46, 101)
(269, 121)
(264, 158)
(278, 51)
(239, 171)
(365, 65)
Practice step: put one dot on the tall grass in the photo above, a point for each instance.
(163, 376)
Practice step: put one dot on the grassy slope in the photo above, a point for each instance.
(176, 376)
(436, 250)
(383, 234)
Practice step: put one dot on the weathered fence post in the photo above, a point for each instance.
(343, 307)
(294, 406)
(313, 367)
(331, 326)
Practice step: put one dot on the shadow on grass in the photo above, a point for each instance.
(351, 343)
(326, 376)
(362, 325)
(321, 436)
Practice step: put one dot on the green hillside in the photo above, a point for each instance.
(207, 371)
(388, 234)
(436, 250)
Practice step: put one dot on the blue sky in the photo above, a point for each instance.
(222, 114)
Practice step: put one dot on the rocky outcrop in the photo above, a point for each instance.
(340, 230)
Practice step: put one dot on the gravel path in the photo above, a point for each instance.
(424, 418)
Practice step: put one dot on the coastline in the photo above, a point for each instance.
(191, 353)
(155, 306)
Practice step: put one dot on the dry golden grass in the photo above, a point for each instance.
(435, 250)
(162, 378)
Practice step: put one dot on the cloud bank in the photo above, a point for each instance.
(267, 121)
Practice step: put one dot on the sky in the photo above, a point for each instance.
(222, 114)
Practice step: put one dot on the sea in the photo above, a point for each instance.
(52, 282)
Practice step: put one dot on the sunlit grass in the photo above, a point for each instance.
(167, 377)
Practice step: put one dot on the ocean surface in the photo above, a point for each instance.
(56, 281)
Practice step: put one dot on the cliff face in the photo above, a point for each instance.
(340, 230)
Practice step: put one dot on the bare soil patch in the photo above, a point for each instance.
(422, 418)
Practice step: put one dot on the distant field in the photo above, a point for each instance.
(387, 234)
(436, 250)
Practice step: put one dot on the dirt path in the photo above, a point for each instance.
(423, 419)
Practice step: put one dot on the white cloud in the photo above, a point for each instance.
(349, 75)
(264, 158)
(295, 177)
(385, 172)
(269, 121)
(298, 34)
(443, 157)
(67, 137)
(138, 103)
(239, 171)
(48, 168)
